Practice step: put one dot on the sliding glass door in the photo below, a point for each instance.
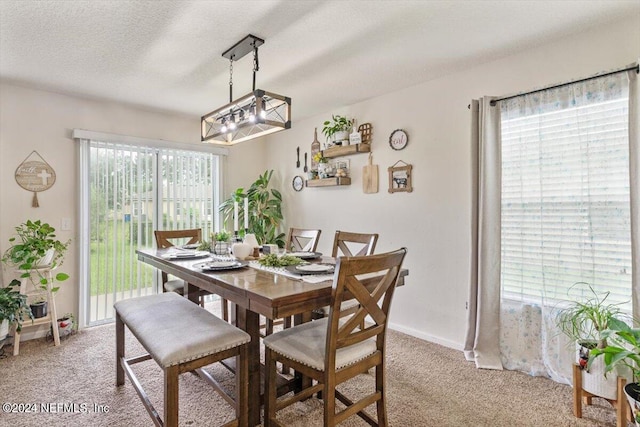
(132, 191)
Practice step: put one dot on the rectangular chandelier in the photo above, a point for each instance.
(256, 114)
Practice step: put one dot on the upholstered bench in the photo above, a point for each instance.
(181, 337)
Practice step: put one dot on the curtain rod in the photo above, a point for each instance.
(635, 67)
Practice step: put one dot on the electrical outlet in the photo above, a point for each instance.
(65, 224)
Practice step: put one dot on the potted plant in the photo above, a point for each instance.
(622, 350)
(585, 321)
(337, 129)
(323, 165)
(13, 310)
(38, 307)
(66, 324)
(35, 248)
(265, 210)
(220, 242)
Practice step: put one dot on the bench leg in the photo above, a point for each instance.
(171, 396)
(119, 350)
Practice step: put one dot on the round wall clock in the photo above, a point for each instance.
(298, 183)
(398, 139)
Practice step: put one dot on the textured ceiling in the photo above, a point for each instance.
(323, 54)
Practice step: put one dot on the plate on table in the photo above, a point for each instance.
(311, 268)
(191, 246)
(186, 254)
(305, 255)
(220, 265)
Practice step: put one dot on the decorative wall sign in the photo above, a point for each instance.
(35, 174)
(398, 139)
(400, 177)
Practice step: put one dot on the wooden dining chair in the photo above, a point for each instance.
(333, 350)
(168, 238)
(345, 243)
(298, 240)
(302, 240)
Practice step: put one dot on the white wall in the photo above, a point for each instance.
(433, 221)
(38, 120)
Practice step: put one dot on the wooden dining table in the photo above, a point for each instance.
(254, 292)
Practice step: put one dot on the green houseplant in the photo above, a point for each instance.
(265, 210)
(36, 246)
(585, 322)
(622, 350)
(337, 129)
(13, 309)
(220, 242)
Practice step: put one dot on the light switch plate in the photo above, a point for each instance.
(65, 224)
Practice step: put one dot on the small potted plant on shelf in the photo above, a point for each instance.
(39, 307)
(13, 310)
(323, 165)
(622, 350)
(220, 242)
(337, 129)
(34, 249)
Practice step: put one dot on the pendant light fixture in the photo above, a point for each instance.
(255, 114)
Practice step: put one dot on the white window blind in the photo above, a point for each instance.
(565, 193)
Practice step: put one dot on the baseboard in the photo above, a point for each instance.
(427, 337)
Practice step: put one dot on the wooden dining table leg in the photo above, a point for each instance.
(192, 292)
(250, 323)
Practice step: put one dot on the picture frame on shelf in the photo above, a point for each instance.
(341, 167)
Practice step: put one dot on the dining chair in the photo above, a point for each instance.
(302, 240)
(345, 243)
(168, 238)
(298, 240)
(333, 350)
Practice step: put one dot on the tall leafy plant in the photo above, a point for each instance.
(265, 210)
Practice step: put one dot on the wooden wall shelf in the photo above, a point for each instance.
(328, 182)
(346, 150)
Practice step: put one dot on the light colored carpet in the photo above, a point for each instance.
(427, 384)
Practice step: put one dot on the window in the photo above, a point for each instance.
(128, 191)
(565, 192)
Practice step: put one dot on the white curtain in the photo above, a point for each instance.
(565, 213)
(483, 305)
(634, 175)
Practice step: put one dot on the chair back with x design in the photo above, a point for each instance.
(303, 240)
(346, 243)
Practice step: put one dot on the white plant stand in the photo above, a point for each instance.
(50, 318)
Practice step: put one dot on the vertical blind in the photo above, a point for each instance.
(565, 194)
(135, 190)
